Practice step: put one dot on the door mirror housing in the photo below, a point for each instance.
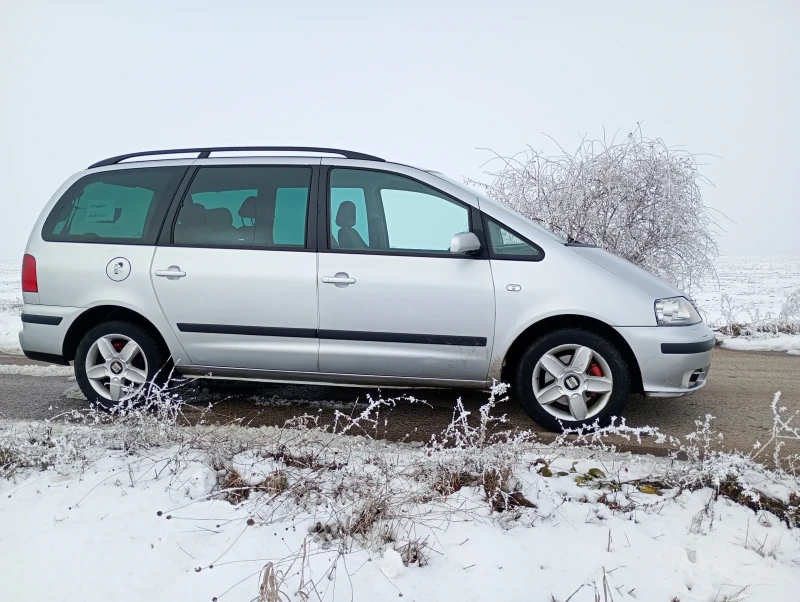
(464, 242)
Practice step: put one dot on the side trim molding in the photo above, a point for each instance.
(36, 319)
(258, 331)
(400, 337)
(686, 348)
(335, 335)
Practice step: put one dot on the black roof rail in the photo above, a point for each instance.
(205, 152)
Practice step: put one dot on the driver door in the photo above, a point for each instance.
(393, 301)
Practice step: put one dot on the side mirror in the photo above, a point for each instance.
(464, 242)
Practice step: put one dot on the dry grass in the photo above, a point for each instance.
(737, 329)
(276, 483)
(269, 588)
(234, 489)
(9, 461)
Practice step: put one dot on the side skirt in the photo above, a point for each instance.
(322, 378)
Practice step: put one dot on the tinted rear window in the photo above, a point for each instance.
(126, 206)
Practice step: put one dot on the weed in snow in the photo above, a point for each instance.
(358, 492)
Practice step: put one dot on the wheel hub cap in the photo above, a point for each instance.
(572, 382)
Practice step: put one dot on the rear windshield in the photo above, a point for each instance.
(125, 206)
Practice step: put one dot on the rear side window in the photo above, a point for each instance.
(122, 207)
(245, 206)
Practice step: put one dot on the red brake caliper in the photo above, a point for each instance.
(594, 370)
(118, 345)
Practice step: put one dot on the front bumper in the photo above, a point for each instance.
(673, 360)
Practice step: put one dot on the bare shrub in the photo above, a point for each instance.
(357, 493)
(790, 310)
(10, 461)
(636, 197)
(747, 320)
(414, 552)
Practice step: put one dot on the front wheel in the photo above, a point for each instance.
(572, 377)
(115, 360)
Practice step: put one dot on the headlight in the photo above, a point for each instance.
(676, 311)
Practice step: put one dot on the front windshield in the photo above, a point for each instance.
(486, 201)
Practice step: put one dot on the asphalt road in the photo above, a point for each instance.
(739, 390)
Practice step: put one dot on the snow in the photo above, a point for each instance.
(753, 285)
(31, 370)
(10, 306)
(764, 342)
(391, 564)
(147, 526)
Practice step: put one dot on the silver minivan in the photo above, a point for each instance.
(341, 268)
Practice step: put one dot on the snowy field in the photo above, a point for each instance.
(145, 510)
(747, 290)
(10, 306)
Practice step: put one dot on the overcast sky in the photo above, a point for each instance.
(426, 83)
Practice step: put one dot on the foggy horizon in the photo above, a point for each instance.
(417, 83)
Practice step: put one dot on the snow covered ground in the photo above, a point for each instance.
(755, 287)
(747, 290)
(36, 370)
(10, 306)
(349, 518)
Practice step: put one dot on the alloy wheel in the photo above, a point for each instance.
(116, 367)
(572, 382)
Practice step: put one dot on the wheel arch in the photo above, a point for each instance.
(553, 323)
(105, 313)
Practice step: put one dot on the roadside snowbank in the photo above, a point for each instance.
(96, 535)
(10, 326)
(143, 509)
(31, 370)
(763, 342)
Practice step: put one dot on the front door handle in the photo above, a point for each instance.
(172, 273)
(341, 279)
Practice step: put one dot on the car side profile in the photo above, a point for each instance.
(340, 268)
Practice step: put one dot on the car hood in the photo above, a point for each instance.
(630, 273)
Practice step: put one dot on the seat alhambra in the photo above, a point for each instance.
(329, 266)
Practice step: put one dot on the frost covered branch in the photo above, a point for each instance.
(636, 197)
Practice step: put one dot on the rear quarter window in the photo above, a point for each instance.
(125, 206)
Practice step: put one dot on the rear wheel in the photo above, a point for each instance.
(572, 377)
(115, 360)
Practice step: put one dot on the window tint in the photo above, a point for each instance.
(509, 245)
(386, 212)
(125, 206)
(245, 206)
(421, 222)
(357, 198)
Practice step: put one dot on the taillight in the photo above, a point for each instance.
(29, 282)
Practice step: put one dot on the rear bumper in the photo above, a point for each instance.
(46, 357)
(673, 361)
(44, 328)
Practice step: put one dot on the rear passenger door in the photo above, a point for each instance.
(236, 275)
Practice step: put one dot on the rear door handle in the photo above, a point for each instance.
(173, 272)
(341, 279)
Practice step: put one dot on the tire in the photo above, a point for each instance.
(145, 364)
(560, 405)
